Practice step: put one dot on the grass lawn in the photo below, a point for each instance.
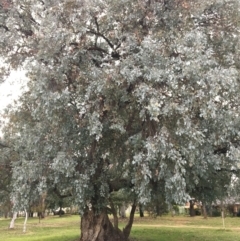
(163, 228)
(186, 229)
(49, 229)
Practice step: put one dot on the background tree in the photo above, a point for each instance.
(213, 186)
(121, 95)
(158, 205)
(5, 180)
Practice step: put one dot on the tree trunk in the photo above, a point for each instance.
(158, 210)
(30, 214)
(141, 210)
(97, 227)
(191, 208)
(211, 211)
(122, 211)
(25, 222)
(13, 220)
(204, 210)
(128, 227)
(114, 213)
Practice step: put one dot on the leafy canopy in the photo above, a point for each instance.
(122, 94)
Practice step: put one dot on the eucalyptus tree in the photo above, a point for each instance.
(5, 180)
(122, 94)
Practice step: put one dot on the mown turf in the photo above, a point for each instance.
(144, 229)
(186, 229)
(49, 229)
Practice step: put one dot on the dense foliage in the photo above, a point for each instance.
(122, 94)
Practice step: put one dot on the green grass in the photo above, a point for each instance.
(164, 228)
(49, 229)
(180, 234)
(186, 229)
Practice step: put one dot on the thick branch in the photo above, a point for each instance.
(128, 227)
(116, 185)
(101, 35)
(96, 22)
(114, 213)
(221, 150)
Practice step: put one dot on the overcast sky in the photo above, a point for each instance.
(11, 88)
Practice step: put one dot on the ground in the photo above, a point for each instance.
(179, 228)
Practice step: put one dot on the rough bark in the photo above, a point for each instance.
(99, 228)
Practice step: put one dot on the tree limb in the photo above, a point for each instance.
(116, 185)
(114, 213)
(128, 227)
(101, 35)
